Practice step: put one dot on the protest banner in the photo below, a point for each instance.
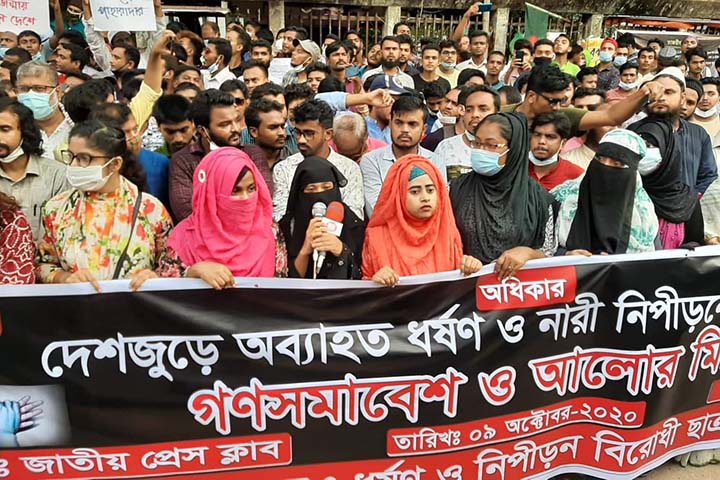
(123, 15)
(601, 366)
(19, 15)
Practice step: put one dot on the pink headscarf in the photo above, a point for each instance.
(237, 233)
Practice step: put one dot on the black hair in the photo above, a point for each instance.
(31, 136)
(467, 74)
(334, 47)
(398, 25)
(435, 90)
(131, 88)
(352, 32)
(128, 75)
(270, 88)
(73, 36)
(332, 36)
(468, 90)
(185, 68)
(711, 81)
(430, 46)
(389, 38)
(296, 91)
(109, 138)
(368, 82)
(261, 43)
(575, 50)
(171, 109)
(234, 84)
(512, 94)
(523, 43)
(478, 33)
(558, 119)
(252, 113)
(6, 88)
(12, 67)
(627, 66)
(585, 71)
(203, 104)
(176, 27)
(406, 39)
(407, 104)
(266, 35)
(696, 52)
(187, 86)
(318, 67)
(448, 44)
(648, 50)
(255, 64)
(330, 84)
(81, 100)
(243, 39)
(315, 110)
(77, 53)
(588, 92)
(496, 52)
(628, 38)
(623, 44)
(544, 41)
(79, 75)
(547, 79)
(132, 54)
(29, 33)
(22, 54)
(107, 113)
(222, 47)
(658, 41)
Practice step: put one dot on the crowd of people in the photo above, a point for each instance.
(260, 154)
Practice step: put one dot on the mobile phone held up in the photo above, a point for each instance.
(484, 7)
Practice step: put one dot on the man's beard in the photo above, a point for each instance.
(669, 115)
(390, 64)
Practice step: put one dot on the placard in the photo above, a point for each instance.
(123, 15)
(19, 15)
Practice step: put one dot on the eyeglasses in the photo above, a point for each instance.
(309, 134)
(239, 101)
(552, 101)
(35, 88)
(490, 146)
(83, 159)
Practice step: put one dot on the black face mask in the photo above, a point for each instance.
(542, 61)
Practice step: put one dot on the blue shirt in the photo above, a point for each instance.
(376, 132)
(156, 168)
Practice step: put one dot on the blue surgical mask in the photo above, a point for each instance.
(485, 163)
(606, 57)
(447, 66)
(39, 103)
(620, 61)
(650, 162)
(37, 57)
(542, 163)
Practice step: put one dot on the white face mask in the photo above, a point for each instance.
(650, 162)
(626, 87)
(542, 163)
(449, 120)
(213, 146)
(14, 155)
(87, 179)
(705, 113)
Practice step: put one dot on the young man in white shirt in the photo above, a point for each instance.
(215, 60)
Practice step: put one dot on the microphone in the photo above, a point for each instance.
(318, 211)
(333, 220)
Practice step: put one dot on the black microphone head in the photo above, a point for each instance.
(319, 209)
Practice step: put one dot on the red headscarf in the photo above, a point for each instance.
(408, 245)
(237, 233)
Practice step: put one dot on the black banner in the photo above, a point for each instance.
(604, 366)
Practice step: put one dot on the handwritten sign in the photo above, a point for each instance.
(123, 15)
(19, 15)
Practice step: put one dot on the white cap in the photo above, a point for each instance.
(673, 72)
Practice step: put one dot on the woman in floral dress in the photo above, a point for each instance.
(104, 227)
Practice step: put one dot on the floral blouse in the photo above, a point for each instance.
(644, 226)
(170, 265)
(17, 248)
(89, 230)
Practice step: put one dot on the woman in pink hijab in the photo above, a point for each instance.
(230, 232)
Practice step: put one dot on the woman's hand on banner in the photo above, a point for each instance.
(214, 274)
(81, 276)
(386, 277)
(513, 260)
(469, 265)
(138, 278)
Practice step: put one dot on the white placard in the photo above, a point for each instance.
(123, 15)
(19, 15)
(277, 70)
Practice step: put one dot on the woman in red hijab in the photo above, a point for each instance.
(412, 230)
(230, 232)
